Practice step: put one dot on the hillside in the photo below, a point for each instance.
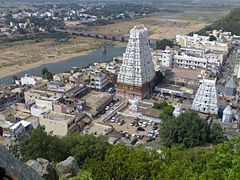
(16, 167)
(230, 22)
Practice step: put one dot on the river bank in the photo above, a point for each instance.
(103, 53)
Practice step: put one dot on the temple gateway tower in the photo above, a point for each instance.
(137, 74)
(206, 98)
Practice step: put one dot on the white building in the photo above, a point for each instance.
(137, 73)
(162, 58)
(206, 98)
(227, 114)
(25, 80)
(99, 82)
(201, 42)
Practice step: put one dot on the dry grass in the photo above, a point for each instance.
(158, 28)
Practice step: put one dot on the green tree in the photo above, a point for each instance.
(39, 144)
(188, 129)
(85, 147)
(46, 74)
(216, 135)
(163, 43)
(159, 77)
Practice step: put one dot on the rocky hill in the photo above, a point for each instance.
(230, 22)
(16, 167)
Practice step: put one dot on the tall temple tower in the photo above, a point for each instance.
(137, 74)
(206, 98)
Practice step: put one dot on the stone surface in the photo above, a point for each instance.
(67, 168)
(44, 168)
(16, 167)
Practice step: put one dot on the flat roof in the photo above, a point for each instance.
(58, 116)
(186, 73)
(96, 99)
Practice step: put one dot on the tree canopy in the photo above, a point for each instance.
(39, 144)
(46, 74)
(163, 43)
(189, 129)
(230, 22)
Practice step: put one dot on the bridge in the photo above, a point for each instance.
(152, 42)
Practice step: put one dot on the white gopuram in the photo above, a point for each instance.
(206, 98)
(137, 74)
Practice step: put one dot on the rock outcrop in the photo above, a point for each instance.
(67, 168)
(16, 167)
(44, 168)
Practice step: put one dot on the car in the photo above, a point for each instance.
(121, 122)
(150, 139)
(140, 123)
(154, 128)
(141, 137)
(112, 120)
(140, 129)
(132, 123)
(107, 108)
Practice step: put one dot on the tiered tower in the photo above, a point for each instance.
(206, 98)
(137, 73)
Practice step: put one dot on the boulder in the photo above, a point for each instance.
(44, 168)
(16, 167)
(67, 168)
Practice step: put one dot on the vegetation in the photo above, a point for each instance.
(166, 110)
(219, 162)
(159, 77)
(189, 129)
(55, 149)
(98, 160)
(36, 37)
(163, 43)
(230, 22)
(46, 74)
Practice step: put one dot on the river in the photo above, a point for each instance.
(98, 55)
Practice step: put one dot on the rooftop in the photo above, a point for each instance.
(57, 116)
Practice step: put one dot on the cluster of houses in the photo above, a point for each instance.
(86, 99)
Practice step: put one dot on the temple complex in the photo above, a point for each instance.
(137, 74)
(206, 98)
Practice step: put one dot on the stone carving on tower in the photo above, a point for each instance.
(137, 74)
(206, 98)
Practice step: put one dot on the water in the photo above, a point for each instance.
(105, 53)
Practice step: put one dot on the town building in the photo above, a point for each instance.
(136, 77)
(206, 98)
(162, 59)
(202, 42)
(60, 124)
(230, 87)
(99, 82)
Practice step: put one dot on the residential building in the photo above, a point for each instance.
(137, 74)
(60, 124)
(99, 82)
(162, 59)
(202, 42)
(206, 98)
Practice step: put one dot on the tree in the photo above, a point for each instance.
(216, 135)
(39, 144)
(188, 129)
(163, 43)
(159, 77)
(46, 74)
(85, 147)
